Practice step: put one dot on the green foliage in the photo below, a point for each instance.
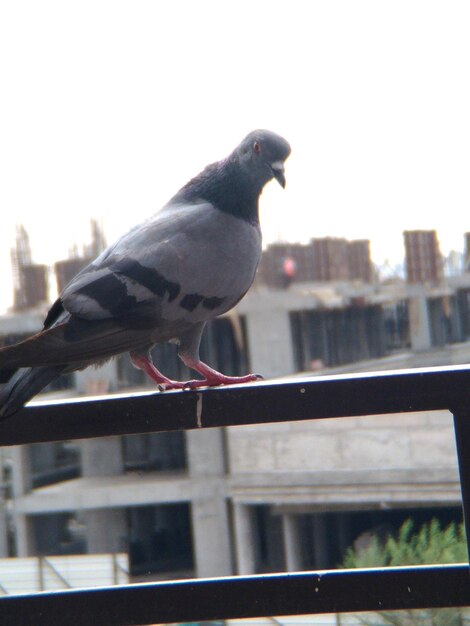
(429, 544)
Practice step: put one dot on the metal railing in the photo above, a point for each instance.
(259, 595)
(33, 574)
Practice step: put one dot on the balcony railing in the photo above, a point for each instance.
(251, 596)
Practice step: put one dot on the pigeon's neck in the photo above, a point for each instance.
(223, 185)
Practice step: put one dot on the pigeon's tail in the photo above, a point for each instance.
(76, 343)
(23, 385)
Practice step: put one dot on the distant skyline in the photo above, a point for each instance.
(109, 107)
(453, 263)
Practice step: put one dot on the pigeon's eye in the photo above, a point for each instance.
(256, 147)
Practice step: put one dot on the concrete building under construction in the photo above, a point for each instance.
(424, 263)
(66, 269)
(324, 259)
(359, 261)
(283, 263)
(30, 280)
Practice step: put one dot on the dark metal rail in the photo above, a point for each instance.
(338, 591)
(254, 596)
(278, 401)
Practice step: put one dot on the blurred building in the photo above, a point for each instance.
(68, 268)
(466, 253)
(330, 258)
(30, 280)
(324, 259)
(359, 261)
(424, 263)
(34, 286)
(276, 260)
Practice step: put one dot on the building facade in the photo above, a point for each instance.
(323, 259)
(424, 263)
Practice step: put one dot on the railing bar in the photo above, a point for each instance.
(462, 439)
(264, 402)
(238, 597)
(44, 563)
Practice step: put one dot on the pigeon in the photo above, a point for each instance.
(162, 281)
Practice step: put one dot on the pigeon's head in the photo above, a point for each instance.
(261, 156)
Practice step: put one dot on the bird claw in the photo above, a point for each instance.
(194, 384)
(222, 380)
(205, 382)
(170, 385)
(175, 384)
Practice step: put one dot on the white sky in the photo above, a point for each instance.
(107, 108)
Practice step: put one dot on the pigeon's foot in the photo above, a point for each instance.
(211, 377)
(221, 379)
(170, 384)
(164, 383)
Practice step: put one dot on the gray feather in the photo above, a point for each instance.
(197, 250)
(23, 385)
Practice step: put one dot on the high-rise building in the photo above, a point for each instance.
(65, 270)
(323, 259)
(30, 282)
(359, 262)
(423, 258)
(466, 253)
(284, 262)
(330, 256)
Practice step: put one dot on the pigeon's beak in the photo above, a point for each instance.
(278, 172)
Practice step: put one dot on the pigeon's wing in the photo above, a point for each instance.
(189, 263)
